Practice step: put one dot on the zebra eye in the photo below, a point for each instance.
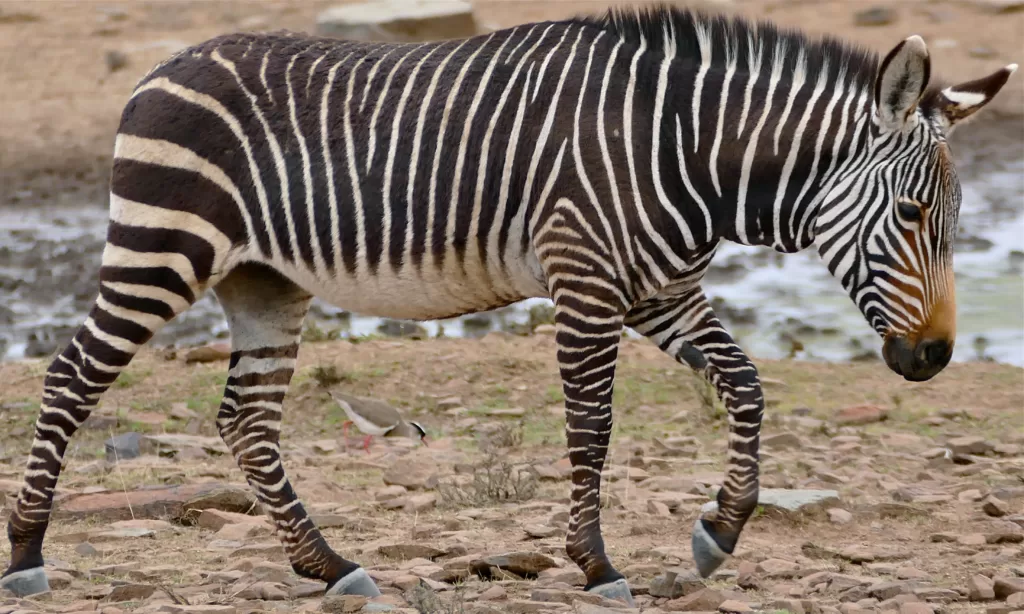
(909, 211)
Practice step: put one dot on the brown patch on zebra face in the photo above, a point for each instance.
(921, 345)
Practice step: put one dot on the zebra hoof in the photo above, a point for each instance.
(26, 582)
(357, 582)
(618, 590)
(707, 554)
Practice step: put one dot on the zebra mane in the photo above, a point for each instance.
(671, 30)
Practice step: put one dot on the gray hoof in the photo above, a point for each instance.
(706, 553)
(618, 590)
(26, 582)
(356, 583)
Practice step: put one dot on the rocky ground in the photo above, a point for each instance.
(916, 490)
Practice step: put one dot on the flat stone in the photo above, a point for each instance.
(566, 596)
(125, 446)
(130, 592)
(674, 584)
(410, 551)
(937, 595)
(839, 516)
(1005, 586)
(58, 580)
(860, 414)
(208, 353)
(541, 531)
(781, 441)
(177, 444)
(980, 588)
(971, 539)
(215, 519)
(494, 593)
(916, 607)
(399, 20)
(106, 536)
(521, 563)
(199, 609)
(887, 590)
(411, 474)
(969, 444)
(733, 606)
(704, 600)
(343, 604)
(240, 532)
(776, 567)
(795, 500)
(419, 502)
(877, 16)
(160, 503)
(995, 507)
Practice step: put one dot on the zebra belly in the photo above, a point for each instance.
(434, 291)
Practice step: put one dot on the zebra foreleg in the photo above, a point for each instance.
(265, 313)
(588, 338)
(686, 328)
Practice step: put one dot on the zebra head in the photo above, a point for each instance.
(886, 225)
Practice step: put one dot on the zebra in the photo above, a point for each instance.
(597, 161)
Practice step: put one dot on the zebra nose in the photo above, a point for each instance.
(934, 352)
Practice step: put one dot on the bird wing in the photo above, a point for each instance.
(364, 424)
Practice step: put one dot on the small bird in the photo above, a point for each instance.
(376, 418)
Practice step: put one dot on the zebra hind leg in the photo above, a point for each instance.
(134, 302)
(265, 313)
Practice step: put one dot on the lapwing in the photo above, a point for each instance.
(376, 418)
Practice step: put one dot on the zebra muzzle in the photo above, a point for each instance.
(917, 362)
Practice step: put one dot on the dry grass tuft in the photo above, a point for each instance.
(494, 480)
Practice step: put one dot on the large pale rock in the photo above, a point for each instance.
(399, 20)
(786, 499)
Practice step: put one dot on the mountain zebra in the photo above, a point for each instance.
(595, 161)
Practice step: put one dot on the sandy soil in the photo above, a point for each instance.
(916, 518)
(60, 102)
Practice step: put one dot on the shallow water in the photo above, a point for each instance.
(776, 305)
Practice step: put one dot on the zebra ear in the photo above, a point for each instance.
(953, 105)
(902, 79)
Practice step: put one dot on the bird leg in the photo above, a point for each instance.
(344, 433)
(366, 443)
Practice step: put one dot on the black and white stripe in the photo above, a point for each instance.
(598, 162)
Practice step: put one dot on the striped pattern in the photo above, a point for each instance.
(598, 162)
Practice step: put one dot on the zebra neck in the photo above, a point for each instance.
(760, 152)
